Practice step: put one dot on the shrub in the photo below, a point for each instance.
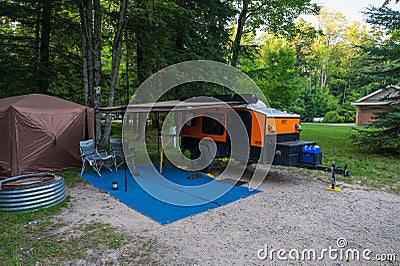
(333, 117)
(383, 135)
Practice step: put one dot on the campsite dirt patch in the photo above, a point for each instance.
(293, 213)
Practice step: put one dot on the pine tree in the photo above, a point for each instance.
(383, 68)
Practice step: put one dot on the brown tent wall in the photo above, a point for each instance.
(5, 145)
(41, 133)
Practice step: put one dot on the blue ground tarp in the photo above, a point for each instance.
(175, 196)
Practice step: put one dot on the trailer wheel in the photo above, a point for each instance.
(195, 153)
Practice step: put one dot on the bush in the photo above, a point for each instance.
(347, 111)
(315, 103)
(383, 135)
(333, 117)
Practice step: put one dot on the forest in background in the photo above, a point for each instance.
(97, 53)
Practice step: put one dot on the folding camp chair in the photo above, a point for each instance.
(130, 157)
(95, 158)
(117, 151)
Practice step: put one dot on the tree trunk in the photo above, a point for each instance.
(324, 70)
(127, 68)
(43, 78)
(142, 117)
(135, 118)
(143, 60)
(91, 56)
(97, 65)
(239, 32)
(86, 10)
(37, 45)
(143, 44)
(85, 69)
(116, 60)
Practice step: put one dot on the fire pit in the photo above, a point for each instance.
(31, 192)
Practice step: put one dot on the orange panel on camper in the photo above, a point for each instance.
(257, 128)
(212, 129)
(197, 128)
(282, 125)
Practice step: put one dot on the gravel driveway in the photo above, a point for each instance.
(293, 217)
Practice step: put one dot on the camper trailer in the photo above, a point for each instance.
(239, 127)
(264, 127)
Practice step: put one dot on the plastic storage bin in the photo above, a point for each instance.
(311, 155)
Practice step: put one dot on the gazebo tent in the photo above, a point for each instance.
(41, 133)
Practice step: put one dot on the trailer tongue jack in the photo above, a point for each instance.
(334, 171)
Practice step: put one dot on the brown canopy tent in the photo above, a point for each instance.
(41, 133)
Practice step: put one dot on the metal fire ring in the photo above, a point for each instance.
(31, 192)
(28, 181)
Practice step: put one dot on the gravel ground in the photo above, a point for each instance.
(293, 213)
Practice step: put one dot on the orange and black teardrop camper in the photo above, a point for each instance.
(264, 126)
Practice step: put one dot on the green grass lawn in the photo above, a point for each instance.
(373, 170)
(35, 238)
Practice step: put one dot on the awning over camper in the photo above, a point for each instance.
(168, 106)
(248, 101)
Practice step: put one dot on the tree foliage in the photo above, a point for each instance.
(333, 117)
(382, 67)
(276, 74)
(32, 55)
(169, 32)
(311, 70)
(273, 16)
